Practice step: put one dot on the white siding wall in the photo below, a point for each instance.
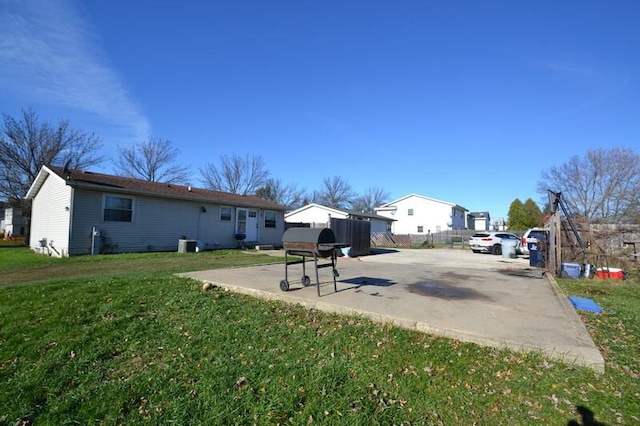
(431, 215)
(158, 224)
(482, 224)
(14, 222)
(50, 218)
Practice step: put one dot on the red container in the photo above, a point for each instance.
(613, 273)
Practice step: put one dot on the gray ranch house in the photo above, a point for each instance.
(76, 212)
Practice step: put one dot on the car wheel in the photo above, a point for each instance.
(497, 249)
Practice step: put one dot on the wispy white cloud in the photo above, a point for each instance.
(571, 68)
(49, 53)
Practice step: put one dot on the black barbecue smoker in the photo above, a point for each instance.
(310, 242)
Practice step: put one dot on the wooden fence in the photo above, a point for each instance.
(387, 239)
(356, 233)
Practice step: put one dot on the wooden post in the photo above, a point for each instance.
(555, 244)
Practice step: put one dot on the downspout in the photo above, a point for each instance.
(71, 209)
(259, 220)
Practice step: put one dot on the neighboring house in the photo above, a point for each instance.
(417, 214)
(318, 215)
(499, 224)
(14, 223)
(76, 212)
(480, 221)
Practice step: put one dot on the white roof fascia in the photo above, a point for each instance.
(419, 196)
(312, 205)
(43, 174)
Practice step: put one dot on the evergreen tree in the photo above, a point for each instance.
(517, 215)
(524, 216)
(534, 214)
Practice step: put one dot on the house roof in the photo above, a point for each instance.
(313, 205)
(125, 185)
(353, 213)
(356, 213)
(392, 203)
(480, 214)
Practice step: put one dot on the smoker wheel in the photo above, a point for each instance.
(284, 285)
(306, 281)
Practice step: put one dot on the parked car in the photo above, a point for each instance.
(533, 235)
(491, 242)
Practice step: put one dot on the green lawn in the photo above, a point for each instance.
(120, 340)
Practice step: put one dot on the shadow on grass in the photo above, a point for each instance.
(588, 418)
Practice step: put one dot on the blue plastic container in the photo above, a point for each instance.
(571, 270)
(536, 255)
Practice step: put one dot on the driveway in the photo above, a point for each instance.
(480, 298)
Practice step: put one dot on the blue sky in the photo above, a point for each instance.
(462, 101)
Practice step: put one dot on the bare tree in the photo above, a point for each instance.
(602, 186)
(27, 144)
(372, 198)
(335, 193)
(154, 160)
(286, 195)
(236, 174)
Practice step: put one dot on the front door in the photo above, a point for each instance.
(248, 224)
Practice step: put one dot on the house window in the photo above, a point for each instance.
(269, 219)
(225, 213)
(420, 229)
(410, 212)
(117, 209)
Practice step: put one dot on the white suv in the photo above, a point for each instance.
(491, 242)
(533, 235)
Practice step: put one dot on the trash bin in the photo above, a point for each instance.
(536, 254)
(186, 246)
(509, 248)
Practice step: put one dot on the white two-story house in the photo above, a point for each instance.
(417, 214)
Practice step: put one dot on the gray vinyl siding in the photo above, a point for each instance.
(50, 217)
(271, 236)
(158, 224)
(87, 213)
(378, 226)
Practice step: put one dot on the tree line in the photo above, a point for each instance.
(602, 186)
(27, 143)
